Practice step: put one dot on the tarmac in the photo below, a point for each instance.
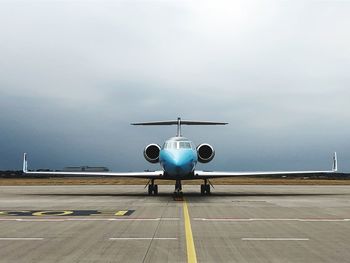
(108, 223)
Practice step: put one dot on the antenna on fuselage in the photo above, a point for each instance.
(179, 122)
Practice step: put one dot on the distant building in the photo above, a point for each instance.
(85, 169)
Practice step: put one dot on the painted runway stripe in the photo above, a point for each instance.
(41, 213)
(176, 219)
(88, 219)
(274, 219)
(21, 238)
(191, 251)
(273, 239)
(143, 238)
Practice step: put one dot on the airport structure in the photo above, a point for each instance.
(85, 169)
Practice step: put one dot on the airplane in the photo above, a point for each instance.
(178, 158)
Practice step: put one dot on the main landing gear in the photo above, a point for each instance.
(152, 188)
(205, 188)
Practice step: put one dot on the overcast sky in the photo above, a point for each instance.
(74, 74)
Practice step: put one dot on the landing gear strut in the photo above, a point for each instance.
(205, 188)
(152, 188)
(178, 188)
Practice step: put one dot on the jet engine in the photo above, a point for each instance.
(205, 153)
(151, 153)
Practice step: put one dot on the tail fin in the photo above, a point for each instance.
(25, 163)
(179, 122)
(335, 163)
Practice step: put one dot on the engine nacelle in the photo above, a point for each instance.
(151, 153)
(205, 153)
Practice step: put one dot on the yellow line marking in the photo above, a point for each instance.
(121, 213)
(191, 251)
(52, 213)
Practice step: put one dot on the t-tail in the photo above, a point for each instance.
(179, 122)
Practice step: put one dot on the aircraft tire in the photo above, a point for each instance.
(202, 189)
(207, 189)
(150, 189)
(155, 189)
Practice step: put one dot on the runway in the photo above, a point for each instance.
(124, 224)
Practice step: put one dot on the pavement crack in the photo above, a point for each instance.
(154, 234)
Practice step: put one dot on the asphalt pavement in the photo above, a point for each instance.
(124, 224)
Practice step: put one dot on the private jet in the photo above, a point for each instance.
(178, 158)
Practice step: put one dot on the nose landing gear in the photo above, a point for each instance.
(178, 189)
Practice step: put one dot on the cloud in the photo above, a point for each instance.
(75, 74)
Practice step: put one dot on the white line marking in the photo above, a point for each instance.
(22, 238)
(38, 220)
(273, 219)
(273, 239)
(142, 238)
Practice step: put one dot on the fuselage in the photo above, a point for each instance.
(178, 157)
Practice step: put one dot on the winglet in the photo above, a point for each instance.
(335, 163)
(25, 163)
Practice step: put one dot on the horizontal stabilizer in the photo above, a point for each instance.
(182, 123)
(179, 122)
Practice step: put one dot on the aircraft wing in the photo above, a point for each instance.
(145, 175)
(213, 174)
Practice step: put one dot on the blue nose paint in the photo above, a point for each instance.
(178, 162)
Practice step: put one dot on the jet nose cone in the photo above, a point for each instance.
(181, 160)
(180, 163)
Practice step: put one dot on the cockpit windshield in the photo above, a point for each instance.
(185, 145)
(177, 145)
